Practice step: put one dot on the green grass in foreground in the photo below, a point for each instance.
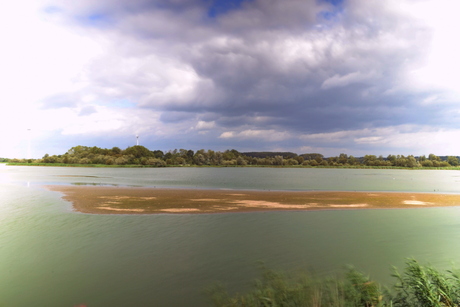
(416, 286)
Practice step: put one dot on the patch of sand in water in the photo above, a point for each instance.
(180, 210)
(266, 204)
(224, 208)
(119, 209)
(416, 202)
(108, 203)
(114, 197)
(349, 206)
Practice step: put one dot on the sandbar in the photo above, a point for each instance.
(131, 200)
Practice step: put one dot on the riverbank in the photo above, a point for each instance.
(130, 200)
(456, 168)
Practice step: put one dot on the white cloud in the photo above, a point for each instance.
(370, 140)
(440, 69)
(202, 125)
(404, 139)
(266, 135)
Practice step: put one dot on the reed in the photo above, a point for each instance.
(416, 286)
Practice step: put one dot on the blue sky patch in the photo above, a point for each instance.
(52, 9)
(98, 20)
(334, 2)
(123, 103)
(220, 7)
(334, 12)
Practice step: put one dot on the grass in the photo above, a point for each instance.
(416, 286)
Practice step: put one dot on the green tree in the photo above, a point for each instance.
(370, 160)
(138, 151)
(433, 157)
(278, 160)
(452, 160)
(343, 158)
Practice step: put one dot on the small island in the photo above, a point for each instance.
(143, 200)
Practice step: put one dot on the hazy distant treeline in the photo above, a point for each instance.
(140, 155)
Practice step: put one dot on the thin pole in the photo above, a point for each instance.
(29, 155)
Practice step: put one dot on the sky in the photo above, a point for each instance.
(327, 76)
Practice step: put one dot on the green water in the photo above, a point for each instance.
(52, 256)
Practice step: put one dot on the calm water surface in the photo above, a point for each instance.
(52, 256)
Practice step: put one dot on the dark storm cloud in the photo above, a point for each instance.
(293, 66)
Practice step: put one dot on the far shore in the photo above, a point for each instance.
(455, 168)
(133, 200)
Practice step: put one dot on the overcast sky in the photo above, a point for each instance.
(328, 76)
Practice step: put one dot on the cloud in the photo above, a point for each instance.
(340, 81)
(202, 125)
(88, 110)
(261, 73)
(267, 135)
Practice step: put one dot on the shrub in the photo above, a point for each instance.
(417, 286)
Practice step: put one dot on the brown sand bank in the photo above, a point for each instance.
(118, 200)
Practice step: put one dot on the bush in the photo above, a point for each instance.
(425, 287)
(278, 289)
(418, 286)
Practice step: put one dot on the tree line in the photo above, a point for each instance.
(140, 155)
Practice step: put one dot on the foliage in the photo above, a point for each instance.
(278, 289)
(425, 287)
(418, 286)
(142, 156)
(265, 154)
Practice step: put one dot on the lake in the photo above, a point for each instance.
(53, 256)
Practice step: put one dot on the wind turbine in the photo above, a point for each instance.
(29, 137)
(137, 140)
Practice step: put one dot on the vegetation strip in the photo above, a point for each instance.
(126, 200)
(416, 286)
(140, 156)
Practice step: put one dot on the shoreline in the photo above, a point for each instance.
(453, 168)
(146, 200)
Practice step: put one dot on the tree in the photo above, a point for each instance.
(427, 163)
(352, 160)
(369, 160)
(278, 160)
(115, 151)
(240, 161)
(343, 158)
(433, 157)
(452, 160)
(138, 151)
(411, 162)
(158, 154)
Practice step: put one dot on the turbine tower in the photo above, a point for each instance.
(29, 137)
(137, 140)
